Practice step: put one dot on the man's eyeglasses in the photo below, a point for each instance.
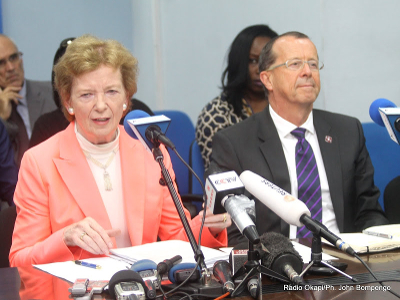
(298, 64)
(13, 58)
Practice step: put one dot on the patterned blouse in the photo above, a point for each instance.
(216, 115)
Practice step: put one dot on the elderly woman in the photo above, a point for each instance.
(92, 187)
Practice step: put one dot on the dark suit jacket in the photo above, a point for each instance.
(8, 169)
(39, 96)
(254, 145)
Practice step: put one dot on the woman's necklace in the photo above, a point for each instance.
(107, 180)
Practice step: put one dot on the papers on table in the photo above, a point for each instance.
(70, 271)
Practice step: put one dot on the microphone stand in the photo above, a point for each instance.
(208, 286)
(253, 267)
(317, 262)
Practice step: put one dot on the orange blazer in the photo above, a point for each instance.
(56, 188)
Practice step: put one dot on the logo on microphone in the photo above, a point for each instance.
(289, 198)
(274, 187)
(226, 180)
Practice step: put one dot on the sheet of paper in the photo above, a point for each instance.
(160, 251)
(70, 271)
(305, 253)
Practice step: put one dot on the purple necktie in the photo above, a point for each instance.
(309, 187)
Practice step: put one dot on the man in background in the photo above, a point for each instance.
(317, 156)
(8, 170)
(22, 101)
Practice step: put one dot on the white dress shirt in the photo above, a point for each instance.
(22, 109)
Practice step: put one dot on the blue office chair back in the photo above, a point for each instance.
(181, 132)
(197, 164)
(384, 153)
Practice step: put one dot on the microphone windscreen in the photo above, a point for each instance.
(182, 266)
(374, 110)
(143, 265)
(134, 114)
(279, 251)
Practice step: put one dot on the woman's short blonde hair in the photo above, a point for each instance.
(87, 53)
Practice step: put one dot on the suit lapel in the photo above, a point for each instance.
(271, 148)
(78, 178)
(133, 163)
(34, 102)
(329, 145)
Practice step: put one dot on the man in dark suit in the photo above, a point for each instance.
(265, 144)
(8, 170)
(21, 101)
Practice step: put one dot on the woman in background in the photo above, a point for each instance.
(91, 187)
(242, 91)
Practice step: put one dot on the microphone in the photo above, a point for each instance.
(228, 188)
(385, 113)
(180, 272)
(237, 207)
(288, 208)
(374, 109)
(222, 271)
(281, 257)
(147, 270)
(220, 184)
(253, 286)
(166, 265)
(150, 130)
(126, 284)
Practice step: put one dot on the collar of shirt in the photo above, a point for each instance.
(285, 128)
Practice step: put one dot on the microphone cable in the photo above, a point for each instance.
(175, 289)
(373, 275)
(202, 187)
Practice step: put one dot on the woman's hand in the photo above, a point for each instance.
(216, 223)
(90, 236)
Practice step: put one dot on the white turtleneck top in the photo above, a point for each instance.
(113, 200)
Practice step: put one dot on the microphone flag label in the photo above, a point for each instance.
(390, 116)
(140, 125)
(222, 184)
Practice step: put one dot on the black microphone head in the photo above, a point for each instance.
(214, 169)
(279, 251)
(152, 132)
(124, 276)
